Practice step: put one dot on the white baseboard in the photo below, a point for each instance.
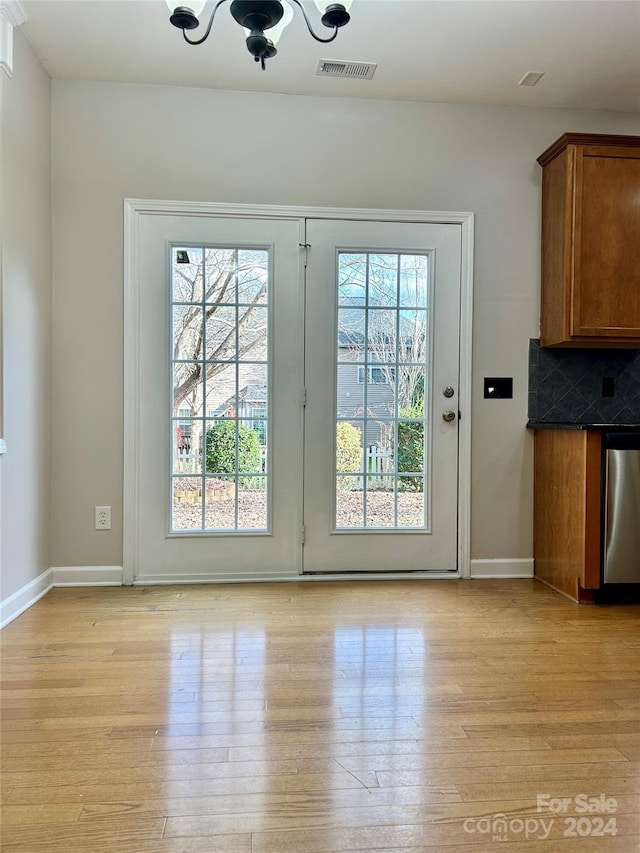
(68, 576)
(27, 595)
(23, 598)
(87, 575)
(499, 568)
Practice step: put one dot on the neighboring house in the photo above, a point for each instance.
(350, 390)
(251, 405)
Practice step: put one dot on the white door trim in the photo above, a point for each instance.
(134, 209)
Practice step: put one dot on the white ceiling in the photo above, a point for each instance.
(458, 51)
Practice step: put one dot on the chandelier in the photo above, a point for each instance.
(256, 16)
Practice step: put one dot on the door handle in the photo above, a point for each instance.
(448, 416)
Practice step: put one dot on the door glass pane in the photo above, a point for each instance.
(414, 280)
(352, 279)
(382, 388)
(383, 279)
(350, 503)
(410, 501)
(187, 446)
(186, 512)
(187, 276)
(220, 503)
(351, 326)
(220, 276)
(252, 503)
(187, 332)
(219, 370)
(252, 333)
(220, 333)
(253, 277)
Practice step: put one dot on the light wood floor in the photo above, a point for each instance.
(309, 718)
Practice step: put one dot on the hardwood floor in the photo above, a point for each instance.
(320, 717)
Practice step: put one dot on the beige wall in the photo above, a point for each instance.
(26, 285)
(112, 141)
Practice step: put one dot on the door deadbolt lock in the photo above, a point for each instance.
(448, 416)
(448, 391)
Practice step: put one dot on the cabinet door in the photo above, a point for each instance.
(567, 510)
(606, 251)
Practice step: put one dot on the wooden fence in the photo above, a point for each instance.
(188, 461)
(378, 461)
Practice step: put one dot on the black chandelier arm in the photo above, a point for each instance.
(206, 35)
(310, 28)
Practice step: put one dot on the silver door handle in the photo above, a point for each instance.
(448, 416)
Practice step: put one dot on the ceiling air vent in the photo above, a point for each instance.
(531, 78)
(338, 68)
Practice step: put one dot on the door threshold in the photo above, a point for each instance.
(417, 574)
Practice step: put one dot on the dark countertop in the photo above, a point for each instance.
(602, 427)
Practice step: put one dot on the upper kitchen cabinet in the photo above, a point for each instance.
(591, 241)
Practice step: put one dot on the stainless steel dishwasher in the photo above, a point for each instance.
(621, 515)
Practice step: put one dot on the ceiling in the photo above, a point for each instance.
(457, 51)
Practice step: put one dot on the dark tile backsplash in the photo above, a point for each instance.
(566, 386)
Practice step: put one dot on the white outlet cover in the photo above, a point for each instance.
(103, 517)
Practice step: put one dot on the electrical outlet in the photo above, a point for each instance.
(103, 517)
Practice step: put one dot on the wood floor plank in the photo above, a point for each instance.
(429, 762)
(613, 786)
(390, 747)
(141, 773)
(194, 789)
(308, 718)
(45, 811)
(594, 774)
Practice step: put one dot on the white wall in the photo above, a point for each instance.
(112, 141)
(26, 286)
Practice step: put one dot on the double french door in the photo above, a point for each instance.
(294, 404)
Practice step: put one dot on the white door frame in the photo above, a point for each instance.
(135, 209)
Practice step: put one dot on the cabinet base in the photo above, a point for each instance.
(585, 596)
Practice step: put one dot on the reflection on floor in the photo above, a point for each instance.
(317, 717)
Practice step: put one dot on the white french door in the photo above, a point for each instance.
(382, 376)
(217, 408)
(292, 395)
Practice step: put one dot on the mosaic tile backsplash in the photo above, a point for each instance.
(574, 386)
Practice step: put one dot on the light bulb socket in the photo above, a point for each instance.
(335, 15)
(259, 45)
(184, 18)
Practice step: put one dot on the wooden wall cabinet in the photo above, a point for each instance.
(567, 507)
(591, 241)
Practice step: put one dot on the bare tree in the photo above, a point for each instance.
(220, 315)
(393, 337)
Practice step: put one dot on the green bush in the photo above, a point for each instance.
(411, 447)
(348, 453)
(221, 448)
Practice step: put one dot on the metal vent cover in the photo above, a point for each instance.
(531, 78)
(346, 68)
